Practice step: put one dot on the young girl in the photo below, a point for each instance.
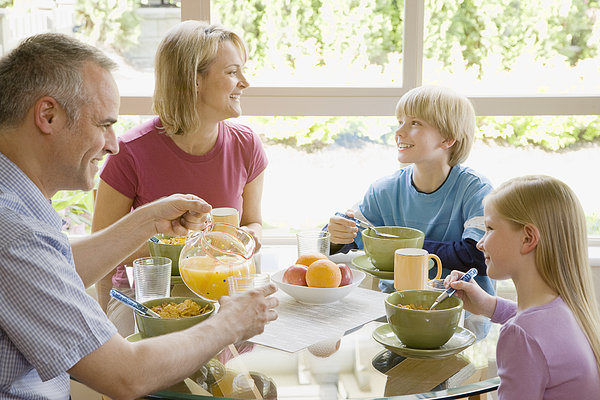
(549, 347)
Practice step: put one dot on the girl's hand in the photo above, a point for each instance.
(342, 230)
(475, 299)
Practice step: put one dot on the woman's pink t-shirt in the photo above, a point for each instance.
(149, 165)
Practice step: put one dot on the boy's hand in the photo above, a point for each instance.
(342, 230)
(475, 299)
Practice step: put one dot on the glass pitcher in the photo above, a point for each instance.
(212, 255)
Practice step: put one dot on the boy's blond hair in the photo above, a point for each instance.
(450, 112)
(187, 50)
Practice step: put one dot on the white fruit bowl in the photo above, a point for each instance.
(315, 296)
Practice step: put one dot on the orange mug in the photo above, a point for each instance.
(411, 268)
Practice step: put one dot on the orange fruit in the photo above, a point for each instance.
(307, 259)
(323, 274)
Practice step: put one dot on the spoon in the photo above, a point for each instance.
(449, 292)
(128, 301)
(155, 239)
(365, 224)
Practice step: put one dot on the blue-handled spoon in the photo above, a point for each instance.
(128, 301)
(366, 225)
(449, 292)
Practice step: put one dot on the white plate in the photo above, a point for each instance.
(313, 296)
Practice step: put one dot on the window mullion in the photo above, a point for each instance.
(412, 44)
(195, 9)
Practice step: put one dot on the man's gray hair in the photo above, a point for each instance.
(49, 64)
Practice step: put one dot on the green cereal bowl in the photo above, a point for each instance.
(170, 251)
(381, 249)
(422, 329)
(149, 326)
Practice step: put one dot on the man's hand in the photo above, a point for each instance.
(178, 213)
(247, 314)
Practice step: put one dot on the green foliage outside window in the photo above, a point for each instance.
(509, 27)
(315, 27)
(478, 27)
(550, 133)
(112, 23)
(75, 207)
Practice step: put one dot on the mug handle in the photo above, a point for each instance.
(438, 264)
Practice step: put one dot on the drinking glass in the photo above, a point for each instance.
(226, 215)
(242, 283)
(310, 242)
(151, 278)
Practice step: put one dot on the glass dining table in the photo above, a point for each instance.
(365, 362)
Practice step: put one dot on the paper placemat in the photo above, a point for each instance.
(301, 325)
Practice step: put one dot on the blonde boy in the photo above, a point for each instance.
(434, 193)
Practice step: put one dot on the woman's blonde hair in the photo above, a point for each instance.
(562, 251)
(187, 50)
(450, 112)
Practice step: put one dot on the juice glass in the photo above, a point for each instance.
(212, 255)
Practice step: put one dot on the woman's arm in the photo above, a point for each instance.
(252, 212)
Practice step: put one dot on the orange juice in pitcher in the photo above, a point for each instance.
(207, 277)
(210, 256)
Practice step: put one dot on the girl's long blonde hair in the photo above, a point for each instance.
(562, 251)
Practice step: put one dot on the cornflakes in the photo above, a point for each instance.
(412, 307)
(188, 308)
(174, 240)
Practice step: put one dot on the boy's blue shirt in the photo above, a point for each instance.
(454, 212)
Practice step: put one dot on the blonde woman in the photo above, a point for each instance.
(548, 345)
(434, 192)
(188, 147)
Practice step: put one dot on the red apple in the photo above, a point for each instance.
(295, 275)
(346, 274)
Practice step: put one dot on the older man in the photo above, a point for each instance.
(58, 104)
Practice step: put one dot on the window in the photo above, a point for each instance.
(512, 48)
(313, 46)
(339, 67)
